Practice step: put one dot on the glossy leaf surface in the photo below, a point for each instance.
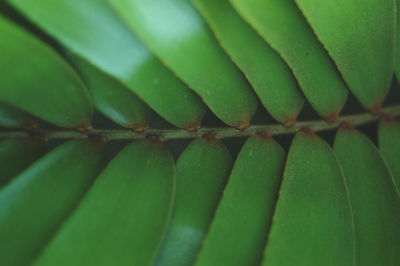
(269, 75)
(122, 219)
(94, 31)
(112, 98)
(202, 172)
(38, 200)
(374, 198)
(241, 223)
(313, 222)
(283, 26)
(359, 36)
(26, 83)
(176, 33)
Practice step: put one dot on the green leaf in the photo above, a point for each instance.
(241, 223)
(16, 155)
(271, 78)
(283, 26)
(397, 46)
(374, 198)
(11, 117)
(37, 201)
(359, 36)
(202, 171)
(389, 145)
(112, 98)
(37, 80)
(92, 30)
(123, 217)
(175, 32)
(313, 223)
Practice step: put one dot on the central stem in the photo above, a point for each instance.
(221, 132)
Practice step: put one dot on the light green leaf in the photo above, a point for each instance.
(271, 78)
(241, 223)
(359, 36)
(202, 171)
(283, 26)
(37, 80)
(175, 32)
(112, 98)
(92, 30)
(313, 223)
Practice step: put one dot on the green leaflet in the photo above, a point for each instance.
(359, 36)
(202, 171)
(374, 198)
(313, 222)
(37, 80)
(37, 201)
(112, 98)
(92, 30)
(11, 117)
(397, 47)
(16, 155)
(271, 78)
(283, 26)
(176, 33)
(240, 226)
(123, 217)
(389, 145)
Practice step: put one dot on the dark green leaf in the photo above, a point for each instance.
(122, 219)
(37, 201)
(11, 117)
(389, 145)
(374, 198)
(16, 155)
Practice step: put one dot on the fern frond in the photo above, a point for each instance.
(310, 185)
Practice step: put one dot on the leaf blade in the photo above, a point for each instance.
(16, 155)
(283, 26)
(41, 197)
(195, 56)
(202, 171)
(374, 199)
(245, 210)
(134, 194)
(269, 75)
(83, 27)
(389, 145)
(28, 63)
(360, 38)
(312, 223)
